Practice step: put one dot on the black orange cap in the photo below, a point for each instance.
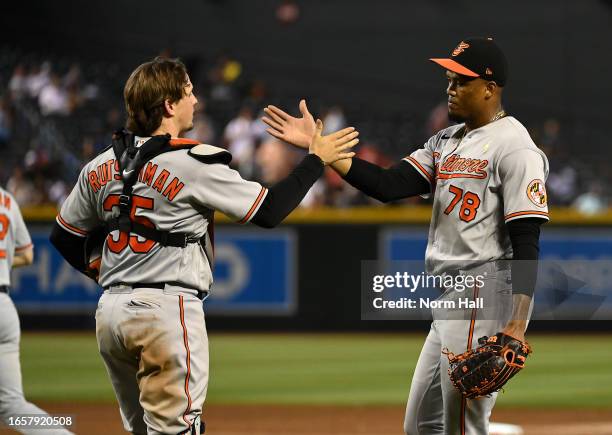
(477, 57)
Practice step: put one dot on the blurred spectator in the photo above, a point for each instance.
(333, 120)
(203, 128)
(72, 78)
(41, 190)
(231, 70)
(51, 148)
(21, 188)
(562, 185)
(288, 12)
(259, 128)
(5, 121)
(18, 83)
(438, 119)
(342, 194)
(36, 160)
(53, 99)
(223, 76)
(275, 160)
(239, 137)
(591, 202)
(58, 191)
(37, 79)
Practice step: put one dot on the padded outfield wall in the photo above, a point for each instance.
(304, 275)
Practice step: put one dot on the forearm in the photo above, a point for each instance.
(286, 195)
(520, 314)
(525, 239)
(71, 247)
(342, 166)
(524, 236)
(397, 182)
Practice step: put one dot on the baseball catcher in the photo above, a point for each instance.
(140, 221)
(486, 369)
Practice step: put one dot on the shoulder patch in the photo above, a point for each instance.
(536, 192)
(210, 154)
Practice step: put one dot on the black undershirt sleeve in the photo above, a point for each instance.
(286, 195)
(70, 246)
(525, 238)
(399, 181)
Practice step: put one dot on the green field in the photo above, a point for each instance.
(565, 371)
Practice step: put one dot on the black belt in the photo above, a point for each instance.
(158, 285)
(4, 289)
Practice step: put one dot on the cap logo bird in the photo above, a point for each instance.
(460, 48)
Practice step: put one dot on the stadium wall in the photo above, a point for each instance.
(305, 275)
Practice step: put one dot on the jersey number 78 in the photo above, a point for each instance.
(469, 205)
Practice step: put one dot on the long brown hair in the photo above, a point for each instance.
(148, 87)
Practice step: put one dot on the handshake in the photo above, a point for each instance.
(306, 133)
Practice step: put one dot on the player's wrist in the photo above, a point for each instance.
(317, 157)
(515, 329)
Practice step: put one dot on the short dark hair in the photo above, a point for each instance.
(147, 88)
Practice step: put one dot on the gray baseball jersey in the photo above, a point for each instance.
(14, 235)
(480, 181)
(174, 192)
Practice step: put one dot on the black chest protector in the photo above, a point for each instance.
(131, 159)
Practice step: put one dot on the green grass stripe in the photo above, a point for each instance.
(338, 369)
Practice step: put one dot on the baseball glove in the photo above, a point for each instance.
(486, 369)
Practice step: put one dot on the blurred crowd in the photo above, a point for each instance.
(56, 114)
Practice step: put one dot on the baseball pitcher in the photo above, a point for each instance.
(487, 179)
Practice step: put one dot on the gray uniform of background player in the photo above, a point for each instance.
(14, 238)
(153, 341)
(502, 181)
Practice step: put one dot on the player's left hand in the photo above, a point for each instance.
(296, 131)
(335, 146)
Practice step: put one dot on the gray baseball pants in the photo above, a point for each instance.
(12, 401)
(155, 349)
(434, 406)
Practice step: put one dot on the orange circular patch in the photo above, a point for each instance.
(536, 192)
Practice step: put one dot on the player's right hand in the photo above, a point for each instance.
(335, 146)
(296, 131)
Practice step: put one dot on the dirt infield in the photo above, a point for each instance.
(103, 419)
